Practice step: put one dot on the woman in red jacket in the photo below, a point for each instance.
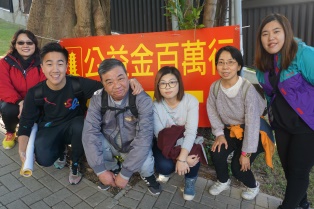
(19, 71)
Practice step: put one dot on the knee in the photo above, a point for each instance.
(9, 110)
(165, 167)
(45, 156)
(44, 159)
(217, 157)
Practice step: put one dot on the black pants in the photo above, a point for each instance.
(9, 113)
(296, 153)
(50, 142)
(220, 161)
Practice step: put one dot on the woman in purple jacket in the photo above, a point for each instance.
(286, 73)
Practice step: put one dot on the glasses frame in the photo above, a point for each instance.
(229, 63)
(28, 43)
(174, 83)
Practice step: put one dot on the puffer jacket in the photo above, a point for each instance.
(15, 81)
(296, 84)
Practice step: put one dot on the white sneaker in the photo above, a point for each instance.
(163, 178)
(218, 187)
(251, 193)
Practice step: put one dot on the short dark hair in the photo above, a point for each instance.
(164, 71)
(235, 54)
(108, 64)
(29, 34)
(54, 47)
(264, 60)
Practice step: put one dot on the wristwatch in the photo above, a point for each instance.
(246, 154)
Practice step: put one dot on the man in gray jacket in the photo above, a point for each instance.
(117, 133)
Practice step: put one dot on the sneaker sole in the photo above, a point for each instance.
(154, 194)
(76, 183)
(7, 148)
(219, 192)
(103, 187)
(58, 167)
(249, 198)
(188, 197)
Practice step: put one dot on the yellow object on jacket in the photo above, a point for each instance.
(266, 137)
(236, 131)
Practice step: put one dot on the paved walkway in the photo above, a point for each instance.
(49, 188)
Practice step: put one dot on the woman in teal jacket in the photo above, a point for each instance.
(285, 70)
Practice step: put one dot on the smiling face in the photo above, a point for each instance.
(116, 83)
(169, 87)
(228, 67)
(54, 66)
(27, 48)
(273, 37)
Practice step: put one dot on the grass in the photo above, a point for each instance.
(6, 33)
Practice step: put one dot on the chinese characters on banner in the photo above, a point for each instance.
(191, 51)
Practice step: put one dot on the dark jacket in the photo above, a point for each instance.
(167, 139)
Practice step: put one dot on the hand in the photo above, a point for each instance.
(192, 160)
(20, 108)
(107, 178)
(220, 140)
(22, 156)
(245, 163)
(23, 141)
(182, 168)
(121, 182)
(136, 86)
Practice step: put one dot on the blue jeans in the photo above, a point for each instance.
(111, 163)
(166, 166)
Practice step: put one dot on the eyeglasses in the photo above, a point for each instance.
(171, 84)
(29, 43)
(229, 63)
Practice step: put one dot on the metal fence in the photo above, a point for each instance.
(138, 16)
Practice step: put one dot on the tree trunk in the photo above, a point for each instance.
(209, 13)
(58, 19)
(221, 12)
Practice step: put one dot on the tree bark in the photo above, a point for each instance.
(209, 13)
(221, 12)
(58, 19)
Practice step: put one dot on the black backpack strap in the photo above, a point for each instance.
(105, 106)
(132, 104)
(104, 102)
(38, 94)
(76, 85)
(78, 92)
(216, 87)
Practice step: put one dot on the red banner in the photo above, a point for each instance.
(191, 51)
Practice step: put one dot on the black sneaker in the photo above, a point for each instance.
(304, 205)
(153, 186)
(103, 187)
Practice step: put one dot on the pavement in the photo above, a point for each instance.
(49, 188)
